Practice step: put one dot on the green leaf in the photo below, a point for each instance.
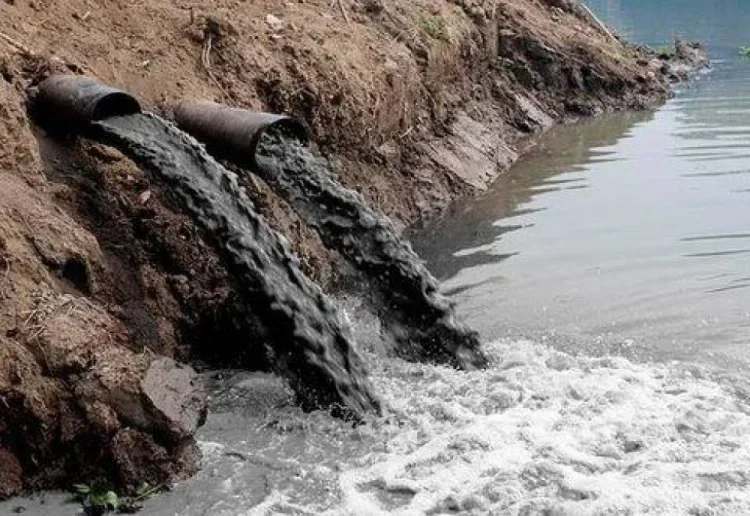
(143, 490)
(81, 488)
(111, 500)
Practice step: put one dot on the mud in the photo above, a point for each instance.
(306, 340)
(405, 295)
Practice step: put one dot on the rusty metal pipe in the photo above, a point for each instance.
(74, 101)
(230, 132)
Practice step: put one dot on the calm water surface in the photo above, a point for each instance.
(629, 233)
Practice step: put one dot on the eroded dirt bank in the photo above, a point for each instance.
(104, 283)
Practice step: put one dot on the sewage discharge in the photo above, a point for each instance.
(308, 342)
(406, 295)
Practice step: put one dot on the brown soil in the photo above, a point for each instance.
(73, 387)
(402, 91)
(418, 101)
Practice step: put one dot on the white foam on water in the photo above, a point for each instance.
(541, 431)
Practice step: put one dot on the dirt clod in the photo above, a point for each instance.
(175, 396)
(11, 474)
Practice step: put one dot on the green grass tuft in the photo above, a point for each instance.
(434, 26)
(662, 49)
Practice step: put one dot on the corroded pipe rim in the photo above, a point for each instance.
(75, 101)
(234, 133)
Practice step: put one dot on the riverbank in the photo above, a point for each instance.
(417, 102)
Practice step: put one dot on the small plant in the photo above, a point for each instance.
(97, 498)
(745, 52)
(434, 26)
(100, 498)
(662, 50)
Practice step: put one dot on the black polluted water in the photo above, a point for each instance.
(307, 340)
(403, 293)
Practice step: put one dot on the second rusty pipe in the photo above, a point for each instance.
(231, 132)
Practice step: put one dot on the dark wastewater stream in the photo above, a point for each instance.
(307, 341)
(404, 294)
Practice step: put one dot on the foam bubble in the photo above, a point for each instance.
(542, 431)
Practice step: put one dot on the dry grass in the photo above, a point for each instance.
(17, 45)
(47, 304)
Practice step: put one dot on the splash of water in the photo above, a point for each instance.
(308, 342)
(405, 294)
(543, 432)
(537, 432)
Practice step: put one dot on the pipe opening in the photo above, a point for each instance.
(71, 102)
(115, 104)
(288, 128)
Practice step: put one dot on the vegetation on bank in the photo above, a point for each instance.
(663, 49)
(100, 497)
(435, 27)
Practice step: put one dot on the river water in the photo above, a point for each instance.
(629, 233)
(617, 241)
